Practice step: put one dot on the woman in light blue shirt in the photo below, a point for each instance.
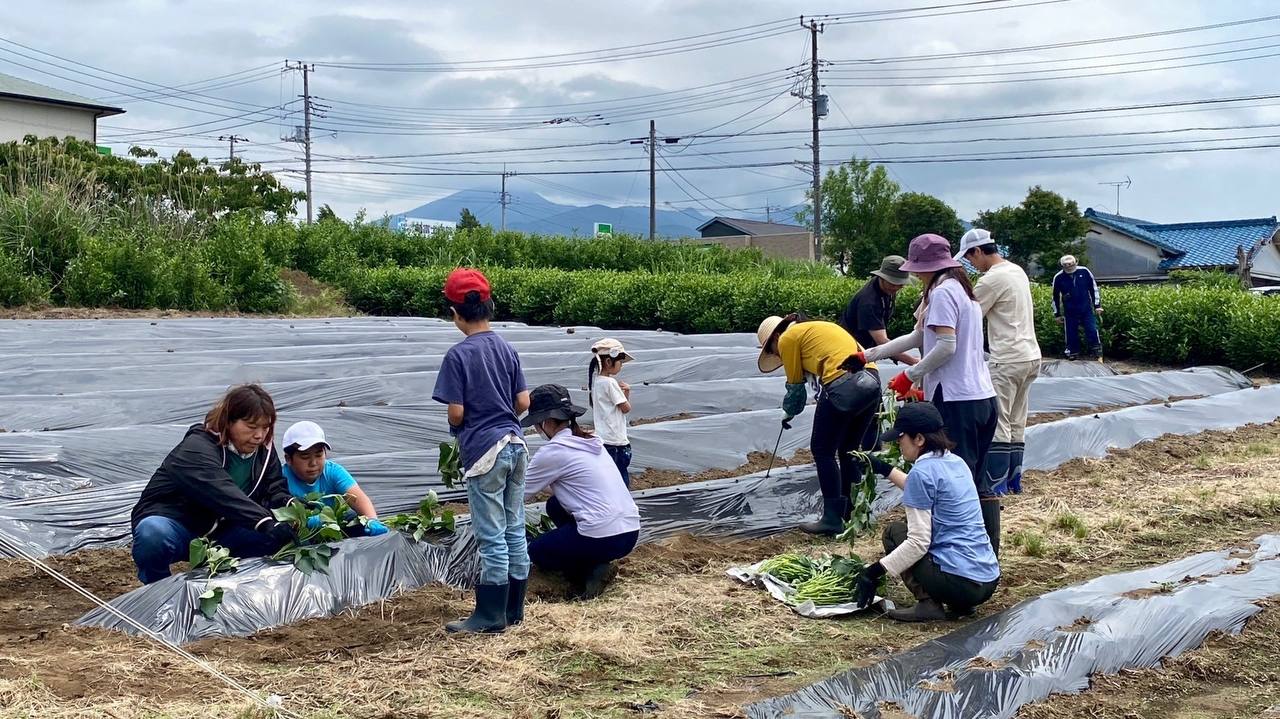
(941, 552)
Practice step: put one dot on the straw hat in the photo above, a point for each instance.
(768, 361)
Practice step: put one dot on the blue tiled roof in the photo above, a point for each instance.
(1193, 244)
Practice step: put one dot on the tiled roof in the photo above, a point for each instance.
(11, 86)
(755, 227)
(1193, 244)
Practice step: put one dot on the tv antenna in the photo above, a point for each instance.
(1125, 183)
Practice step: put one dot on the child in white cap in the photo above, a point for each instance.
(611, 401)
(308, 470)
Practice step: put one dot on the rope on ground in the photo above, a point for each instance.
(19, 551)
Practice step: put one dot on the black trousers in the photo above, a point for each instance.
(971, 424)
(927, 579)
(835, 434)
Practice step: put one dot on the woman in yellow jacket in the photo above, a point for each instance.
(848, 397)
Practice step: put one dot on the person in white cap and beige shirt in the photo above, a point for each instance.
(611, 401)
(1004, 293)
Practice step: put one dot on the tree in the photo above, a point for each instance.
(1040, 230)
(918, 214)
(182, 181)
(326, 213)
(467, 221)
(858, 223)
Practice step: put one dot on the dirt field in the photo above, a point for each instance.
(674, 637)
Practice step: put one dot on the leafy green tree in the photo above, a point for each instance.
(468, 221)
(1041, 229)
(917, 214)
(182, 181)
(858, 222)
(326, 213)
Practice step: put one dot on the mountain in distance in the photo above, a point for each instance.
(533, 213)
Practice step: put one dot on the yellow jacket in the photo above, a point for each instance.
(816, 348)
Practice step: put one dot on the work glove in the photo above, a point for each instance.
(786, 422)
(793, 403)
(866, 584)
(374, 528)
(904, 388)
(855, 362)
(880, 467)
(279, 532)
(314, 522)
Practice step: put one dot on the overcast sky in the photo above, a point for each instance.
(181, 45)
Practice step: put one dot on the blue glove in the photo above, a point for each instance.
(314, 522)
(793, 403)
(374, 528)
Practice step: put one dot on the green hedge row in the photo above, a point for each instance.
(1167, 324)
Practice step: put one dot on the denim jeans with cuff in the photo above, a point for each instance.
(497, 517)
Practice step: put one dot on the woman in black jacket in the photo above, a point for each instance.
(221, 481)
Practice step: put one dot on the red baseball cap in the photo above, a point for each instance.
(464, 280)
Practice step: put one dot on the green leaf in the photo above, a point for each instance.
(198, 550)
(304, 563)
(321, 564)
(209, 601)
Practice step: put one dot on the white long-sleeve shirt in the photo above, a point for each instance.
(584, 478)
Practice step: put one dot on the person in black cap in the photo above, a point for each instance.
(942, 551)
(596, 519)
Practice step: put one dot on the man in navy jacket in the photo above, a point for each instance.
(1076, 304)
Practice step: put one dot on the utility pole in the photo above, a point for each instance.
(818, 106)
(653, 174)
(504, 199)
(306, 124)
(233, 139)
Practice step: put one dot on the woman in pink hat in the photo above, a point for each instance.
(952, 369)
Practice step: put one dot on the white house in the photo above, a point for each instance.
(28, 108)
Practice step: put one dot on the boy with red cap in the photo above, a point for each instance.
(481, 381)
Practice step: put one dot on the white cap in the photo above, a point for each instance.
(303, 436)
(609, 347)
(973, 238)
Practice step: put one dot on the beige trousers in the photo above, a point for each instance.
(1012, 382)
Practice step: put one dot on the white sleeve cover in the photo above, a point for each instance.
(938, 356)
(919, 535)
(895, 346)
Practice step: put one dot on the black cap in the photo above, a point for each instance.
(550, 401)
(914, 418)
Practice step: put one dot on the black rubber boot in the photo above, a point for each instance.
(515, 600)
(831, 522)
(490, 615)
(594, 583)
(991, 520)
(925, 610)
(1015, 467)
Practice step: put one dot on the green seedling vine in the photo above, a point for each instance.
(863, 494)
(429, 518)
(203, 553)
(533, 530)
(450, 464)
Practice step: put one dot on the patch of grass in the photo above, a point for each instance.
(1259, 449)
(1032, 544)
(1070, 522)
(1116, 524)
(1202, 462)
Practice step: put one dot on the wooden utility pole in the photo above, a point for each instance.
(306, 125)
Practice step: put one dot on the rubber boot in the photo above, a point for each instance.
(925, 609)
(997, 467)
(991, 520)
(1015, 466)
(830, 523)
(515, 600)
(490, 615)
(593, 585)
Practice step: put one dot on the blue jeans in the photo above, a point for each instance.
(1075, 321)
(497, 517)
(161, 541)
(621, 454)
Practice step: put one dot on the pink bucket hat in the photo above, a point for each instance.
(929, 253)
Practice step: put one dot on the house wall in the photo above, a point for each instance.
(1266, 263)
(19, 119)
(793, 246)
(1114, 256)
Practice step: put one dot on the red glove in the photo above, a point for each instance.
(903, 388)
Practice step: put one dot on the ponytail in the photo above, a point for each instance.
(591, 378)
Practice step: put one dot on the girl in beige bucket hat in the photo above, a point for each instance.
(848, 398)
